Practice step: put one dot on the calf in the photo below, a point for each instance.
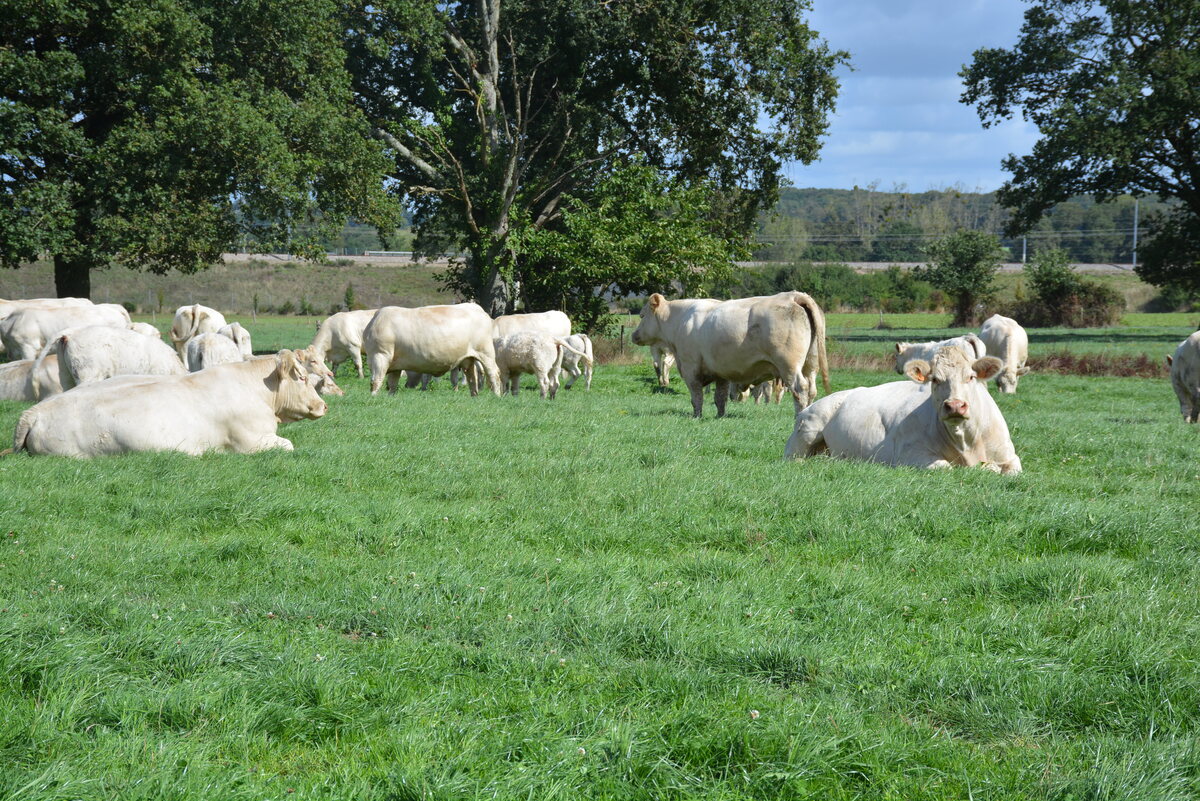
(531, 352)
(580, 353)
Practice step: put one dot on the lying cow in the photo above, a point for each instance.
(1007, 341)
(230, 407)
(740, 341)
(146, 329)
(433, 340)
(340, 337)
(972, 348)
(240, 337)
(26, 331)
(1185, 377)
(94, 353)
(30, 379)
(580, 353)
(531, 352)
(193, 320)
(942, 417)
(209, 349)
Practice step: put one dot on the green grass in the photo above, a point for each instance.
(443, 597)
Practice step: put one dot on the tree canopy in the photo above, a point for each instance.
(1114, 89)
(158, 134)
(496, 111)
(964, 265)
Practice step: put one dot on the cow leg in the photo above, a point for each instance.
(393, 382)
(411, 379)
(544, 386)
(379, 368)
(468, 367)
(486, 366)
(515, 384)
(720, 394)
(356, 355)
(696, 388)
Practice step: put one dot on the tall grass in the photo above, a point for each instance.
(437, 596)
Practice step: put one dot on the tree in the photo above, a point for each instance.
(963, 265)
(496, 111)
(159, 134)
(1114, 89)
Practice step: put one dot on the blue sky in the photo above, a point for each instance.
(899, 121)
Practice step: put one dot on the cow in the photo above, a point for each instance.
(320, 375)
(740, 341)
(30, 379)
(146, 329)
(531, 352)
(231, 407)
(581, 352)
(340, 337)
(1007, 341)
(26, 331)
(209, 349)
(762, 392)
(433, 340)
(192, 320)
(1185, 377)
(943, 417)
(240, 337)
(663, 358)
(971, 346)
(94, 353)
(554, 323)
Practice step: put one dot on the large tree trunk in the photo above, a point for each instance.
(72, 277)
(492, 290)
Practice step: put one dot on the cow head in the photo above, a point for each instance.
(900, 348)
(295, 396)
(320, 375)
(647, 332)
(1006, 382)
(952, 381)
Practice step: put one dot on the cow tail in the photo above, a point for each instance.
(562, 345)
(587, 347)
(816, 319)
(22, 432)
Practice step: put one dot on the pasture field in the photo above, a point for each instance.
(445, 597)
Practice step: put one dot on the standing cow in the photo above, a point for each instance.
(210, 349)
(581, 353)
(1185, 377)
(531, 352)
(340, 337)
(942, 417)
(741, 341)
(433, 340)
(1007, 341)
(554, 323)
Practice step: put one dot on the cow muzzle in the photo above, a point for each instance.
(954, 408)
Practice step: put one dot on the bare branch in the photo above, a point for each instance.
(405, 153)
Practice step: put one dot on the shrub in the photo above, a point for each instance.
(287, 307)
(129, 306)
(1062, 297)
(306, 308)
(964, 265)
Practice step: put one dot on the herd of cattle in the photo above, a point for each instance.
(104, 385)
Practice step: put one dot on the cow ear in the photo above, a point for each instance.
(987, 367)
(1170, 360)
(900, 346)
(1023, 370)
(288, 364)
(656, 300)
(918, 370)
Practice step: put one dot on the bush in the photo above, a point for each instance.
(129, 306)
(1062, 297)
(287, 307)
(306, 307)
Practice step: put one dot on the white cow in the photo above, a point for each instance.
(146, 329)
(26, 331)
(340, 337)
(430, 339)
(210, 349)
(192, 320)
(240, 337)
(1007, 341)
(30, 379)
(581, 352)
(971, 346)
(94, 353)
(741, 341)
(664, 359)
(531, 352)
(1185, 377)
(7, 307)
(943, 417)
(554, 323)
(320, 375)
(762, 392)
(231, 407)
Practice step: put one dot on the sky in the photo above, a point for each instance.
(899, 120)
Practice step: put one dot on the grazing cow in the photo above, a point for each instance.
(663, 358)
(1185, 377)
(554, 323)
(30, 379)
(240, 337)
(192, 320)
(1007, 341)
(146, 329)
(340, 337)
(581, 345)
(230, 407)
(531, 352)
(209, 349)
(94, 353)
(433, 340)
(740, 341)
(971, 346)
(942, 417)
(26, 331)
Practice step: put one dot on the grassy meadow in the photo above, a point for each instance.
(445, 597)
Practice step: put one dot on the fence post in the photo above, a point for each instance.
(622, 340)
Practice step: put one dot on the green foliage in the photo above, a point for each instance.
(1114, 89)
(638, 232)
(1062, 297)
(157, 135)
(349, 302)
(1051, 277)
(964, 264)
(836, 286)
(496, 114)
